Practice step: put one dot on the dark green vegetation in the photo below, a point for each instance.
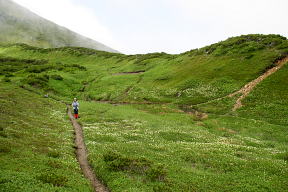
(19, 25)
(177, 130)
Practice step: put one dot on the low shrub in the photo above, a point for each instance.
(3, 134)
(9, 75)
(52, 178)
(160, 187)
(156, 173)
(40, 81)
(81, 68)
(53, 154)
(119, 162)
(54, 164)
(283, 156)
(6, 79)
(39, 69)
(268, 68)
(57, 77)
(16, 61)
(5, 149)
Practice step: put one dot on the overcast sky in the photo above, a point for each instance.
(172, 26)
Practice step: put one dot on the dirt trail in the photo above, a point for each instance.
(129, 73)
(244, 91)
(81, 154)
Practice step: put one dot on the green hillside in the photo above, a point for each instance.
(36, 151)
(160, 122)
(19, 25)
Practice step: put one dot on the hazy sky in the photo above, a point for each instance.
(172, 26)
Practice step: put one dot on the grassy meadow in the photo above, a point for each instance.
(157, 148)
(36, 144)
(154, 122)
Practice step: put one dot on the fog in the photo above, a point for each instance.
(19, 25)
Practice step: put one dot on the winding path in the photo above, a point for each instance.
(244, 91)
(81, 154)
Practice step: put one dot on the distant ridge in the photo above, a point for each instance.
(19, 25)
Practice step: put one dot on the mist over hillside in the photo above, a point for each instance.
(19, 25)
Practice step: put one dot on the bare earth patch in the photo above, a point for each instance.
(128, 73)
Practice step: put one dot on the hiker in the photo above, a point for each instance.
(75, 106)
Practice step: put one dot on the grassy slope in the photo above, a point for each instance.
(270, 107)
(196, 76)
(218, 154)
(158, 147)
(36, 144)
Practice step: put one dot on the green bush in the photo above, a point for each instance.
(6, 69)
(161, 187)
(9, 65)
(52, 178)
(81, 68)
(3, 134)
(53, 154)
(40, 81)
(6, 79)
(5, 149)
(118, 162)
(54, 164)
(16, 61)
(283, 156)
(9, 75)
(39, 69)
(156, 173)
(57, 77)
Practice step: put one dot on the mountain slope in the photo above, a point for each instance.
(19, 25)
(198, 77)
(170, 125)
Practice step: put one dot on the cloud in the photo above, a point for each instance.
(173, 26)
(237, 17)
(72, 16)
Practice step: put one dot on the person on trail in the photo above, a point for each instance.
(75, 106)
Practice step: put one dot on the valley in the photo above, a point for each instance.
(209, 119)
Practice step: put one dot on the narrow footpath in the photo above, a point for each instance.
(81, 154)
(244, 91)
